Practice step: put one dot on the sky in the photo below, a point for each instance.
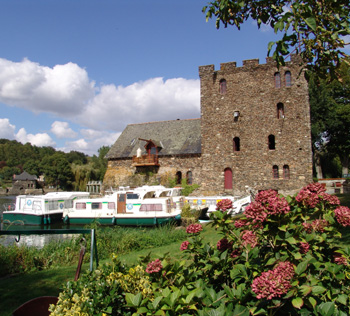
(75, 73)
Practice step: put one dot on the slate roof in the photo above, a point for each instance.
(175, 138)
(25, 176)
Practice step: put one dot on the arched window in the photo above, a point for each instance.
(189, 177)
(288, 78)
(280, 110)
(178, 177)
(272, 144)
(236, 144)
(275, 172)
(286, 174)
(222, 86)
(277, 80)
(228, 179)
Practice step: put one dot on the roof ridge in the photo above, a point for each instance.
(143, 123)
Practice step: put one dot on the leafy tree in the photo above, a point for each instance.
(77, 157)
(57, 171)
(6, 173)
(314, 29)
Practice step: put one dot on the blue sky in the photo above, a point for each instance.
(74, 73)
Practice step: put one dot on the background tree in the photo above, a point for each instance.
(312, 28)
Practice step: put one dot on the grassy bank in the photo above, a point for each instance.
(19, 288)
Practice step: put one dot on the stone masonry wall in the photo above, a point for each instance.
(251, 91)
(120, 172)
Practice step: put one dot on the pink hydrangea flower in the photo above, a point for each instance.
(317, 225)
(249, 238)
(184, 245)
(314, 194)
(154, 266)
(266, 203)
(274, 283)
(224, 205)
(339, 259)
(342, 214)
(304, 247)
(241, 223)
(235, 253)
(223, 244)
(194, 228)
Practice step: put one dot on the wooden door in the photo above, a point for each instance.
(121, 205)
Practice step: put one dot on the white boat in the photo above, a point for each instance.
(40, 209)
(137, 207)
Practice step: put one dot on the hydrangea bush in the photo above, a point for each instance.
(282, 257)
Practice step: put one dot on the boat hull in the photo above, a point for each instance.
(125, 221)
(18, 218)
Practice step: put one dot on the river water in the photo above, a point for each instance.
(37, 241)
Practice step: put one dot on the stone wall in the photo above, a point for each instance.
(251, 93)
(120, 172)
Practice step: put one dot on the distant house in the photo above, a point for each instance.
(23, 182)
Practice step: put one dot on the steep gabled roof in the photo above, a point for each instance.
(175, 138)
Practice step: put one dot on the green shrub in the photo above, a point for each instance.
(283, 257)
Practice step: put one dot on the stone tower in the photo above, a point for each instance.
(255, 127)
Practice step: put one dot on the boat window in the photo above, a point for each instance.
(80, 206)
(68, 203)
(36, 205)
(96, 205)
(51, 205)
(111, 205)
(133, 196)
(151, 207)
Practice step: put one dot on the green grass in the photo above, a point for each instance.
(18, 289)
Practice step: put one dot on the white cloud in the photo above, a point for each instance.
(62, 130)
(7, 130)
(40, 139)
(62, 90)
(152, 100)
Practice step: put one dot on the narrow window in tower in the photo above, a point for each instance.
(277, 80)
(271, 140)
(222, 86)
(236, 144)
(288, 78)
(286, 173)
(280, 110)
(275, 172)
(178, 177)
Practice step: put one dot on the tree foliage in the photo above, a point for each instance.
(314, 29)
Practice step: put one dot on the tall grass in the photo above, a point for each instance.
(23, 259)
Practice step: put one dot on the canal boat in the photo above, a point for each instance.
(40, 209)
(137, 207)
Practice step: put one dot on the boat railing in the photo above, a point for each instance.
(93, 248)
(9, 206)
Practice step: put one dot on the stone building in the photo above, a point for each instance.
(254, 131)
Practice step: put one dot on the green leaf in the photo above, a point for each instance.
(311, 22)
(342, 299)
(318, 289)
(240, 311)
(156, 302)
(133, 300)
(291, 240)
(327, 309)
(312, 302)
(298, 302)
(305, 290)
(302, 266)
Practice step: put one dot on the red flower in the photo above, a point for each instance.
(304, 247)
(184, 245)
(339, 259)
(194, 228)
(224, 205)
(274, 283)
(223, 244)
(154, 266)
(249, 238)
(342, 214)
(241, 223)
